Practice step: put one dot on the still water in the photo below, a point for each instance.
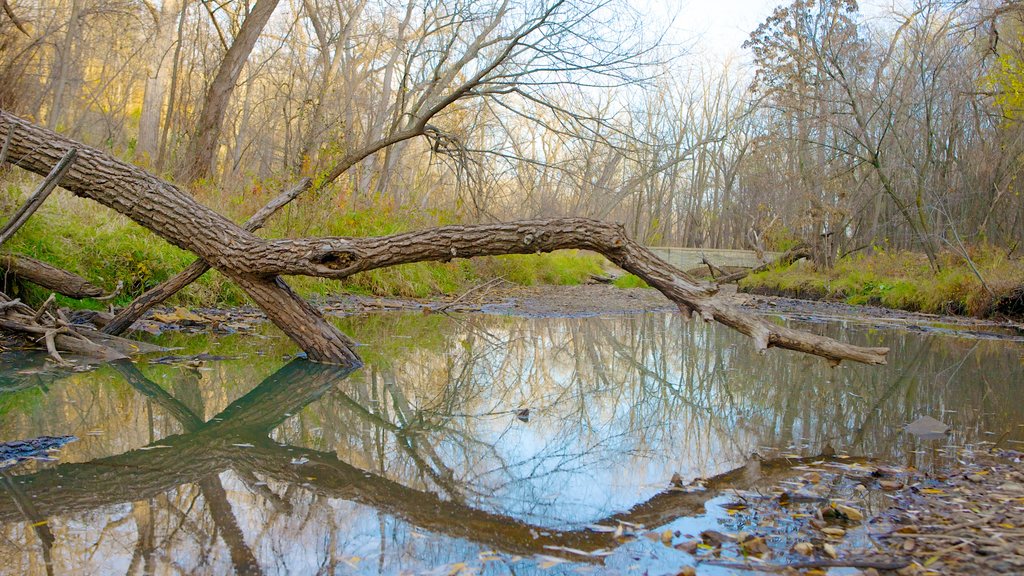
(472, 443)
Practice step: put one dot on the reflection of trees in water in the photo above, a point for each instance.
(431, 438)
(156, 477)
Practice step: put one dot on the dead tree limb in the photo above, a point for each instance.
(36, 199)
(256, 264)
(50, 277)
(129, 314)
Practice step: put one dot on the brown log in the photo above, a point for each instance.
(127, 316)
(249, 260)
(22, 214)
(49, 277)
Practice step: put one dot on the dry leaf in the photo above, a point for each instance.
(805, 548)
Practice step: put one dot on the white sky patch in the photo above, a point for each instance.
(716, 29)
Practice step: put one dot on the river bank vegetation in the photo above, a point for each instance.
(988, 286)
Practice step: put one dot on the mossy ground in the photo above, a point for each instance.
(105, 247)
(903, 280)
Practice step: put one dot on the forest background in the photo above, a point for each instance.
(890, 144)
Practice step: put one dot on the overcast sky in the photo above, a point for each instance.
(717, 28)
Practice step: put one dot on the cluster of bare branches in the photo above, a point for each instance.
(854, 133)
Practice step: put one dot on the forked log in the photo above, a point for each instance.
(161, 292)
(256, 264)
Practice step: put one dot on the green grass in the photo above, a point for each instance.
(903, 280)
(105, 247)
(629, 281)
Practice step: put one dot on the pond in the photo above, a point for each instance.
(468, 443)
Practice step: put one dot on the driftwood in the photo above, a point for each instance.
(154, 296)
(256, 264)
(50, 327)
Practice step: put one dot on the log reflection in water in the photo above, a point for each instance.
(209, 448)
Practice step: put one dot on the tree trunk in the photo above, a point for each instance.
(157, 81)
(255, 263)
(201, 157)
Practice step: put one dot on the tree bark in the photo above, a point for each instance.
(255, 263)
(201, 157)
(129, 314)
(49, 277)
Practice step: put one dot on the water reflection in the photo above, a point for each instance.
(478, 434)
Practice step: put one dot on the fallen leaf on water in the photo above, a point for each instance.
(850, 512)
(890, 484)
(690, 546)
(805, 548)
(834, 532)
(456, 568)
(754, 546)
(830, 551)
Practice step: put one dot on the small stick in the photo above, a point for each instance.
(36, 199)
(10, 304)
(42, 309)
(477, 288)
(51, 346)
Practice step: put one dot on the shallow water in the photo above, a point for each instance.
(473, 442)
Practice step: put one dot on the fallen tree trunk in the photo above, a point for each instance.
(49, 277)
(129, 314)
(256, 264)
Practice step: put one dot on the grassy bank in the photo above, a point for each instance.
(105, 247)
(904, 281)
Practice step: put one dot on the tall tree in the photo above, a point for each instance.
(200, 159)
